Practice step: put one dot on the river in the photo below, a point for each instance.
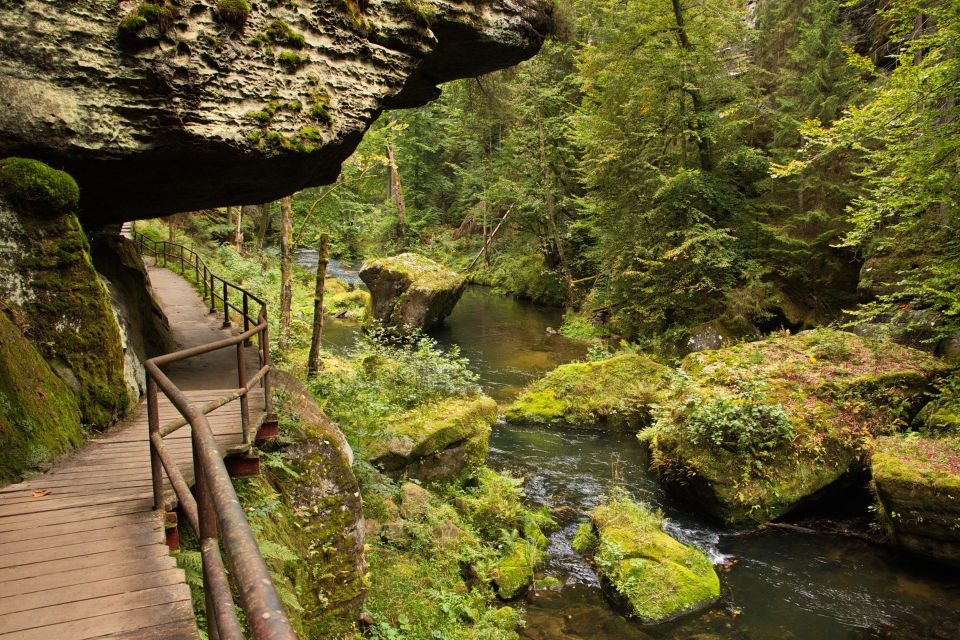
(777, 585)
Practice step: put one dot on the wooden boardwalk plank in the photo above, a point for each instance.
(18, 588)
(119, 622)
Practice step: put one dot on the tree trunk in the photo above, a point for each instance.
(395, 193)
(264, 222)
(550, 210)
(696, 123)
(313, 362)
(238, 231)
(230, 215)
(286, 276)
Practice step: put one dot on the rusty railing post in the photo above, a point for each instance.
(226, 307)
(244, 401)
(265, 345)
(246, 318)
(213, 293)
(196, 268)
(153, 421)
(204, 281)
(207, 519)
(182, 265)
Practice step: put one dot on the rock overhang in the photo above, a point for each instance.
(206, 114)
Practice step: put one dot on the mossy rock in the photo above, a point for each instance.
(47, 277)
(31, 186)
(514, 571)
(492, 503)
(616, 392)
(917, 482)
(409, 292)
(749, 432)
(434, 442)
(39, 416)
(653, 576)
(316, 513)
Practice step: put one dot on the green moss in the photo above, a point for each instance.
(615, 392)
(513, 573)
(655, 576)
(233, 12)
(156, 14)
(279, 33)
(834, 391)
(417, 441)
(585, 539)
(420, 271)
(492, 504)
(291, 61)
(39, 416)
(30, 185)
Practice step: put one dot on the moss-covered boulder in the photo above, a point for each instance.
(653, 576)
(615, 392)
(48, 280)
(39, 416)
(436, 441)
(309, 503)
(748, 432)
(917, 482)
(513, 572)
(410, 292)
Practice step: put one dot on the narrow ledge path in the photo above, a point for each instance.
(82, 552)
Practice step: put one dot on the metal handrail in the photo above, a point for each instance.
(215, 514)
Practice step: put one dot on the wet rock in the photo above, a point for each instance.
(410, 292)
(654, 577)
(616, 392)
(917, 481)
(749, 432)
(131, 107)
(435, 442)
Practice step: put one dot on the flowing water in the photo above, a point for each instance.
(776, 585)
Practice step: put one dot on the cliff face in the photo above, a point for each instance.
(175, 105)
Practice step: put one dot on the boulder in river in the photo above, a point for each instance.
(615, 392)
(917, 481)
(513, 573)
(749, 432)
(410, 292)
(436, 441)
(652, 575)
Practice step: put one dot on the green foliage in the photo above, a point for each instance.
(32, 186)
(291, 61)
(233, 12)
(743, 420)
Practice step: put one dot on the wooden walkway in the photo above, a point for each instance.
(82, 553)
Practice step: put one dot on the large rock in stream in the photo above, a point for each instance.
(650, 574)
(749, 432)
(436, 441)
(410, 292)
(163, 106)
(616, 392)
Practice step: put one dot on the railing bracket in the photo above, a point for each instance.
(171, 530)
(269, 429)
(242, 465)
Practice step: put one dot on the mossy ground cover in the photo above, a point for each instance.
(656, 577)
(750, 431)
(615, 392)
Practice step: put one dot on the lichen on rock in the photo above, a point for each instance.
(410, 292)
(434, 442)
(653, 576)
(749, 432)
(615, 392)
